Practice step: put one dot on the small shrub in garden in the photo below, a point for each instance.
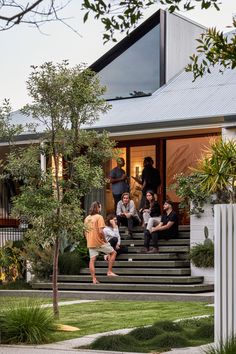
(206, 330)
(170, 340)
(115, 341)
(145, 333)
(26, 322)
(229, 347)
(168, 326)
(202, 255)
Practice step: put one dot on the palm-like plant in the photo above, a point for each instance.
(216, 170)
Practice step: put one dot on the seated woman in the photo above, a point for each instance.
(151, 211)
(112, 235)
(127, 214)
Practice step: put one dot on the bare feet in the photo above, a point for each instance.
(111, 274)
(95, 281)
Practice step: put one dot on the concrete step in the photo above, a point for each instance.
(142, 271)
(174, 288)
(147, 256)
(132, 279)
(145, 263)
(139, 235)
(172, 242)
(162, 249)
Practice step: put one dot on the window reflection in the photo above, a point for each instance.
(128, 76)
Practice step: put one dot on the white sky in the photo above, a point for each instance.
(24, 46)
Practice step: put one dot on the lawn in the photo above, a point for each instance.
(104, 316)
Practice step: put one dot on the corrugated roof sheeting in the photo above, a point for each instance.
(181, 99)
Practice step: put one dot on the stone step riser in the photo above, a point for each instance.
(131, 279)
(151, 264)
(170, 243)
(128, 287)
(143, 271)
(162, 249)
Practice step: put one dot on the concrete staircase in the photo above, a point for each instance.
(165, 272)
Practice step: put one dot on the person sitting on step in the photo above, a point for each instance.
(167, 228)
(127, 214)
(151, 212)
(112, 235)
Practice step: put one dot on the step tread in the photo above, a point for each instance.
(190, 288)
(151, 263)
(133, 278)
(143, 271)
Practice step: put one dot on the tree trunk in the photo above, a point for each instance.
(54, 279)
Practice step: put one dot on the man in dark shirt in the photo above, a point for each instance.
(151, 179)
(167, 228)
(119, 181)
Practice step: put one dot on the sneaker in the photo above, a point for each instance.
(154, 250)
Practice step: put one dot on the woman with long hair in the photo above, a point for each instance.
(96, 241)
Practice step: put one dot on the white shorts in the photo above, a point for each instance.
(106, 248)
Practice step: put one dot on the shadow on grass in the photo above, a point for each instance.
(161, 336)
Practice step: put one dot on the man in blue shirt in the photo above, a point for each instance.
(119, 182)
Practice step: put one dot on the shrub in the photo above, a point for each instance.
(168, 326)
(170, 340)
(145, 333)
(202, 255)
(26, 322)
(229, 347)
(115, 341)
(206, 330)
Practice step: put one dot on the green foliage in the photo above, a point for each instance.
(8, 131)
(11, 262)
(26, 322)
(216, 170)
(189, 190)
(72, 262)
(161, 336)
(122, 16)
(202, 255)
(63, 99)
(228, 347)
(145, 333)
(217, 49)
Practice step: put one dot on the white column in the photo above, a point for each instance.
(42, 159)
(225, 271)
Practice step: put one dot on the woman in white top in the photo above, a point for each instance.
(112, 235)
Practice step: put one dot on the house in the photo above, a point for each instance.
(157, 109)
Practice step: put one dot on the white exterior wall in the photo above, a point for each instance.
(180, 43)
(229, 133)
(225, 274)
(197, 236)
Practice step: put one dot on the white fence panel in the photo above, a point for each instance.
(225, 272)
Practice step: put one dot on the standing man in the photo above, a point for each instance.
(96, 241)
(167, 228)
(119, 182)
(151, 179)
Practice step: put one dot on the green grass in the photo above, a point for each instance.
(161, 336)
(104, 316)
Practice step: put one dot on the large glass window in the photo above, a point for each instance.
(136, 71)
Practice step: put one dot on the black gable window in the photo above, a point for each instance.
(136, 72)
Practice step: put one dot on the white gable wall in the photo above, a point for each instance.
(180, 43)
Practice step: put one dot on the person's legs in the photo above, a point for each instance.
(154, 236)
(147, 238)
(153, 221)
(146, 217)
(111, 260)
(92, 269)
(130, 226)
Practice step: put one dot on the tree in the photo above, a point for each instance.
(50, 200)
(123, 16)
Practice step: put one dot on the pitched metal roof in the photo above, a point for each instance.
(178, 102)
